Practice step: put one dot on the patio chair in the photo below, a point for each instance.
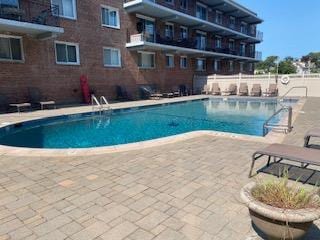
(183, 90)
(121, 93)
(232, 90)
(168, 95)
(36, 98)
(206, 89)
(215, 89)
(19, 106)
(272, 91)
(149, 92)
(279, 152)
(256, 90)
(176, 92)
(312, 133)
(243, 89)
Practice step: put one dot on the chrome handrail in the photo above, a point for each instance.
(286, 127)
(296, 87)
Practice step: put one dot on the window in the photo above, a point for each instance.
(217, 65)
(244, 27)
(9, 3)
(232, 22)
(184, 4)
(146, 59)
(231, 44)
(110, 17)
(10, 48)
(111, 57)
(67, 53)
(146, 26)
(169, 61)
(67, 8)
(169, 31)
(201, 11)
(218, 17)
(169, 1)
(250, 67)
(218, 41)
(241, 66)
(183, 62)
(200, 64)
(201, 40)
(231, 66)
(253, 29)
(242, 49)
(183, 33)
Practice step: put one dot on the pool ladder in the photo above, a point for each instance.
(280, 126)
(101, 106)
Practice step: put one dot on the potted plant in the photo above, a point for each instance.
(280, 209)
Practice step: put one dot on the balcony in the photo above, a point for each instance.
(191, 47)
(151, 8)
(30, 17)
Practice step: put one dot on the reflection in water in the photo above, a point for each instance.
(255, 105)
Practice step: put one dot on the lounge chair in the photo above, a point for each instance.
(176, 92)
(215, 89)
(232, 90)
(256, 90)
(168, 95)
(121, 93)
(272, 91)
(206, 89)
(147, 92)
(243, 89)
(20, 105)
(313, 133)
(183, 90)
(279, 152)
(37, 99)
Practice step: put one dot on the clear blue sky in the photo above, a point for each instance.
(290, 27)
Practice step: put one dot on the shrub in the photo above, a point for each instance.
(278, 193)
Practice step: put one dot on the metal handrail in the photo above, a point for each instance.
(286, 127)
(103, 101)
(297, 87)
(94, 101)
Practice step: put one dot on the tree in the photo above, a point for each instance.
(313, 61)
(268, 65)
(286, 66)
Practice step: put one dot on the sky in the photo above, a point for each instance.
(290, 27)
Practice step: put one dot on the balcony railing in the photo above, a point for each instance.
(31, 12)
(191, 43)
(224, 22)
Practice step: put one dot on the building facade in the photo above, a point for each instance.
(49, 44)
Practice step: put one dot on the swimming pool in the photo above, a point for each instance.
(242, 116)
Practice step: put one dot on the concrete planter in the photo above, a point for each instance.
(278, 223)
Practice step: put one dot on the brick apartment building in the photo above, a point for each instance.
(50, 44)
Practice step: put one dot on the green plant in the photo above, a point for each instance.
(278, 193)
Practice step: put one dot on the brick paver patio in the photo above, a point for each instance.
(185, 190)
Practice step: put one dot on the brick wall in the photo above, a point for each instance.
(61, 82)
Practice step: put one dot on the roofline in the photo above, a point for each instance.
(243, 8)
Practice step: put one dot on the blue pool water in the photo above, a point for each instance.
(139, 124)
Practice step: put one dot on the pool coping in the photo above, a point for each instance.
(36, 152)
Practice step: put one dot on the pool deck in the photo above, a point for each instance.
(186, 189)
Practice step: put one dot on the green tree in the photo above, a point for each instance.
(286, 66)
(268, 65)
(313, 61)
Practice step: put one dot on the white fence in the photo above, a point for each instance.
(311, 81)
